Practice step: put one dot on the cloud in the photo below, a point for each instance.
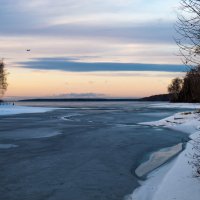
(75, 66)
(151, 32)
(79, 95)
(129, 21)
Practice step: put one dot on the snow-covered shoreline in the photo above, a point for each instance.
(13, 109)
(176, 179)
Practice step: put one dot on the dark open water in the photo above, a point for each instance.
(93, 158)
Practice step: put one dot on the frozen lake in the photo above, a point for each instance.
(85, 151)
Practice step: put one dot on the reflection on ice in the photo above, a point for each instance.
(7, 146)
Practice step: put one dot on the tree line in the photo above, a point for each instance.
(187, 89)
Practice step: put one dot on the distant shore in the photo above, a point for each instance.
(161, 97)
(76, 100)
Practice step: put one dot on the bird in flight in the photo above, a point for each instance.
(28, 50)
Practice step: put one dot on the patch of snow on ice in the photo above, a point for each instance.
(13, 110)
(35, 133)
(157, 159)
(7, 146)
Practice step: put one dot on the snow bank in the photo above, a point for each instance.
(175, 180)
(188, 122)
(13, 110)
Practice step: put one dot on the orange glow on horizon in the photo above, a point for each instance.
(25, 82)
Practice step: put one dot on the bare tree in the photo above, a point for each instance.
(188, 29)
(175, 88)
(3, 79)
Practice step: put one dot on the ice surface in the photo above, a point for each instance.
(7, 146)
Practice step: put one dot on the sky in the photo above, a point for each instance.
(113, 48)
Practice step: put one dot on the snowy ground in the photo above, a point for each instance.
(175, 180)
(12, 109)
